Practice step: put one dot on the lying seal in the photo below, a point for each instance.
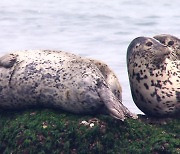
(154, 79)
(172, 42)
(60, 80)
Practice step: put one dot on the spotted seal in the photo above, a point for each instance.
(172, 42)
(154, 78)
(60, 80)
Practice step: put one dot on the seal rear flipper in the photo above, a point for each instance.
(8, 60)
(115, 107)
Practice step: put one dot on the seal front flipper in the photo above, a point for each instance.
(115, 107)
(110, 78)
(8, 60)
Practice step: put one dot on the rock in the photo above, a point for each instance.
(50, 131)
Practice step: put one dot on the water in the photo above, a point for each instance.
(99, 29)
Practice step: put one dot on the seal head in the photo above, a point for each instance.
(148, 50)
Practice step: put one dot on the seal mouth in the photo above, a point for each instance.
(164, 55)
(162, 51)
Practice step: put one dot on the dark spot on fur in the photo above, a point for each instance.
(145, 76)
(45, 76)
(156, 110)
(139, 78)
(146, 86)
(158, 98)
(100, 83)
(1, 88)
(142, 98)
(149, 102)
(158, 107)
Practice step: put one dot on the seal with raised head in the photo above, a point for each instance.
(172, 42)
(59, 80)
(154, 79)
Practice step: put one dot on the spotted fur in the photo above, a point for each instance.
(60, 80)
(154, 77)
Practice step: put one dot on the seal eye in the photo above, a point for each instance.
(149, 44)
(170, 43)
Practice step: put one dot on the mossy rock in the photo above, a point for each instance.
(50, 131)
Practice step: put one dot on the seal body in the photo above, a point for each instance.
(154, 78)
(59, 80)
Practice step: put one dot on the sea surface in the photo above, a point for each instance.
(99, 29)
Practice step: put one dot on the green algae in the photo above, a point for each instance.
(50, 131)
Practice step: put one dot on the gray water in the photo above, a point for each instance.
(99, 29)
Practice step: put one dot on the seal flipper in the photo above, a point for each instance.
(8, 60)
(110, 77)
(115, 107)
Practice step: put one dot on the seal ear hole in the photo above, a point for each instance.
(149, 44)
(170, 43)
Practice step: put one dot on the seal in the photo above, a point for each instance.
(154, 78)
(172, 42)
(60, 80)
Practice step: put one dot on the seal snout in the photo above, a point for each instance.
(165, 51)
